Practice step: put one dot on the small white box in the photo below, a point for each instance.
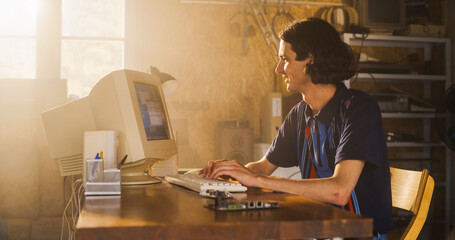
(271, 116)
(111, 175)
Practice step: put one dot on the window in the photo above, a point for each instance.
(92, 42)
(18, 38)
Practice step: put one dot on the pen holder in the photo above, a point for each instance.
(100, 181)
(94, 170)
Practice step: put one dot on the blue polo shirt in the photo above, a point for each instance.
(348, 127)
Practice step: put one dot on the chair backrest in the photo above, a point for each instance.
(412, 191)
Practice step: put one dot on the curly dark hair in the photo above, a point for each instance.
(333, 60)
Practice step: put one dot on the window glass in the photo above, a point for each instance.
(89, 18)
(17, 38)
(18, 17)
(85, 62)
(92, 42)
(17, 58)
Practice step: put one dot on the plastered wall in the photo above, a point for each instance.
(31, 187)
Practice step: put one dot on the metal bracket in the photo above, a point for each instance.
(270, 39)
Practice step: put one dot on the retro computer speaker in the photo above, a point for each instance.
(235, 141)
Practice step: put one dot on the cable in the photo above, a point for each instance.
(77, 190)
(441, 132)
(449, 96)
(363, 37)
(374, 80)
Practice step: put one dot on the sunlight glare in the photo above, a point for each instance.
(18, 17)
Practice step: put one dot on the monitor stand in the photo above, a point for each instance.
(137, 174)
(139, 179)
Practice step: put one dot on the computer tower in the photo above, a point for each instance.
(271, 116)
(235, 141)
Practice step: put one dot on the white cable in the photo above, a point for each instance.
(74, 201)
(77, 204)
(64, 218)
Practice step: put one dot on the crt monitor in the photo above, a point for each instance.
(129, 102)
(382, 15)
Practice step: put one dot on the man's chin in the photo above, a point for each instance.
(290, 90)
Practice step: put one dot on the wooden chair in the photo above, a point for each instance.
(412, 191)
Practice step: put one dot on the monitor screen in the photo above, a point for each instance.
(152, 112)
(384, 11)
(381, 15)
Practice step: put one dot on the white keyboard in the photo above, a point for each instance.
(204, 185)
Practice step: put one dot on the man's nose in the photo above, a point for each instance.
(279, 67)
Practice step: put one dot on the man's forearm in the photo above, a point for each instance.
(262, 166)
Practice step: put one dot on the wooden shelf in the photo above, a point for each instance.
(392, 41)
(386, 77)
(415, 144)
(412, 115)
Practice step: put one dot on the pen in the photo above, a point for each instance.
(122, 162)
(100, 167)
(95, 164)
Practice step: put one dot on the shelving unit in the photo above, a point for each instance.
(401, 77)
(427, 145)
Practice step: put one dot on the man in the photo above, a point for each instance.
(334, 135)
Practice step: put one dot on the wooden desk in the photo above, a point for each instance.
(165, 211)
